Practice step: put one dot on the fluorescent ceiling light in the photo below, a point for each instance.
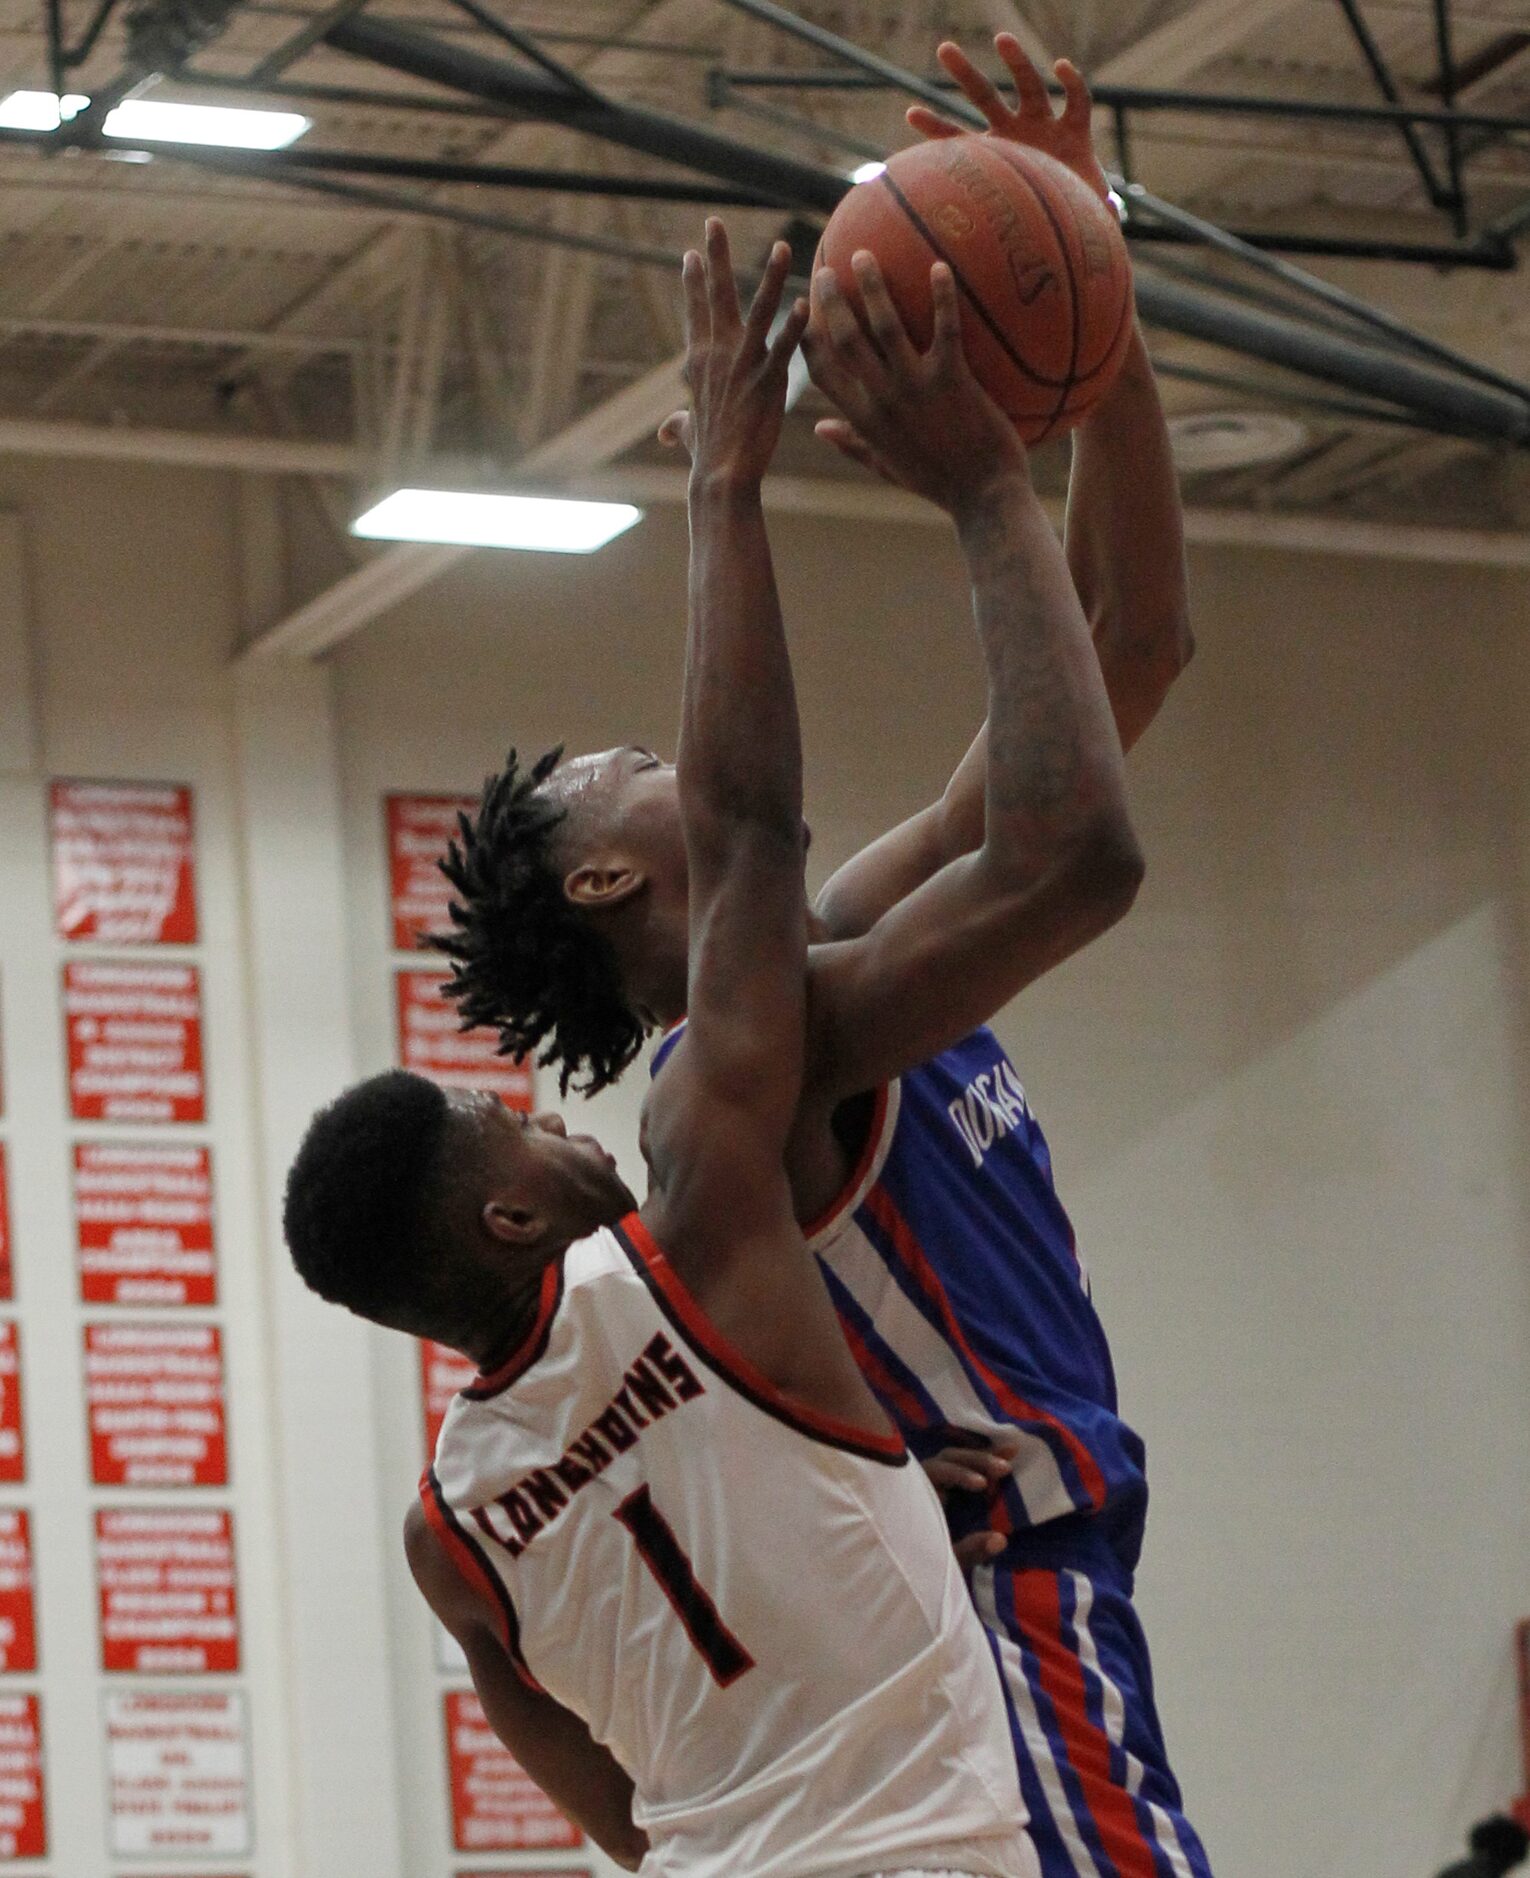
(38, 110)
(153, 120)
(867, 173)
(156, 120)
(464, 519)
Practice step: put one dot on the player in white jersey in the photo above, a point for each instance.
(706, 1598)
(631, 1490)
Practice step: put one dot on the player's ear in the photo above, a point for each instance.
(603, 885)
(512, 1223)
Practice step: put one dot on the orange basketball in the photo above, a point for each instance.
(1040, 264)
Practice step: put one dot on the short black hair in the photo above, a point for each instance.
(362, 1208)
(1501, 1840)
(525, 962)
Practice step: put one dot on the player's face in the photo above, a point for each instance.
(533, 1166)
(629, 799)
(624, 804)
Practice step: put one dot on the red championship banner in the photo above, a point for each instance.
(18, 1609)
(168, 1599)
(23, 1822)
(135, 1042)
(179, 1769)
(419, 828)
(496, 1807)
(430, 1043)
(154, 1393)
(7, 1269)
(123, 863)
(13, 1454)
(442, 1373)
(144, 1224)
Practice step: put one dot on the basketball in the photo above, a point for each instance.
(1040, 263)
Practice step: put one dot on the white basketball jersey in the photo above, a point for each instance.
(754, 1607)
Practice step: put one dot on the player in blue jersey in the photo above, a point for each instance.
(915, 1161)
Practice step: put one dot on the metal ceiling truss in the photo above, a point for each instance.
(1311, 328)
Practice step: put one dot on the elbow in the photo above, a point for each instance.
(1181, 644)
(1148, 634)
(1159, 640)
(628, 1849)
(955, 827)
(1105, 868)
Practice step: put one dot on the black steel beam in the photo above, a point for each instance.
(53, 14)
(1137, 98)
(513, 176)
(317, 162)
(77, 54)
(546, 35)
(1438, 396)
(1198, 229)
(783, 180)
(1387, 86)
(871, 63)
(292, 48)
(1513, 397)
(1489, 252)
(1303, 399)
(351, 95)
(1164, 214)
(528, 48)
(1255, 292)
(258, 166)
(1447, 82)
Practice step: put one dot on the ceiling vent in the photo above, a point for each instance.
(1225, 440)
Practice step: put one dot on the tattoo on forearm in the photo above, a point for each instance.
(1036, 754)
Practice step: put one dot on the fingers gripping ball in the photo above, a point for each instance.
(1040, 263)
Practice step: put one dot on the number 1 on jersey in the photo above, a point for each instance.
(660, 1551)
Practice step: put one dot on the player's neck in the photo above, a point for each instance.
(504, 1324)
(663, 987)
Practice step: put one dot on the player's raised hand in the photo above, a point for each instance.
(918, 419)
(735, 371)
(1031, 119)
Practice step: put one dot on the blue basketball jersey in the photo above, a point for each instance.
(953, 1267)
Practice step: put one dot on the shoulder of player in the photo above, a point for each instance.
(431, 1567)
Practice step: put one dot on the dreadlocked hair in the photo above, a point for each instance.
(524, 961)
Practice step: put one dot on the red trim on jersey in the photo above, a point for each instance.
(882, 1379)
(475, 1570)
(736, 1368)
(912, 1254)
(1038, 1610)
(850, 1193)
(469, 1566)
(516, 1365)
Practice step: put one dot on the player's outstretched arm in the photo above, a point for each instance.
(1058, 861)
(1125, 528)
(1125, 537)
(1124, 532)
(553, 1745)
(718, 1121)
